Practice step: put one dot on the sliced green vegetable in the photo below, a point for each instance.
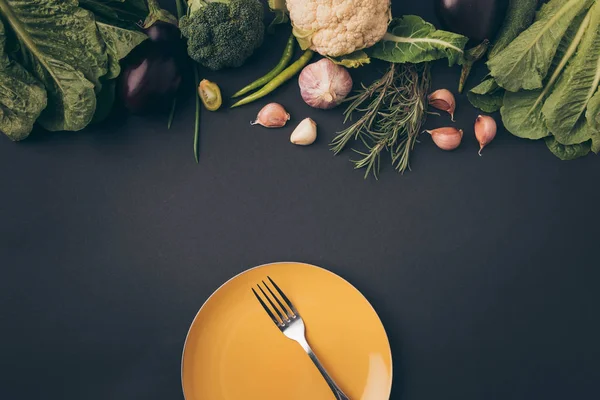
(210, 94)
(412, 39)
(526, 61)
(522, 111)
(565, 108)
(487, 96)
(569, 152)
(519, 16)
(288, 52)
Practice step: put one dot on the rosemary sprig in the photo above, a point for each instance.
(394, 109)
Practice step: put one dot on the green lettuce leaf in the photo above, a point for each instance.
(526, 61)
(568, 152)
(22, 97)
(487, 96)
(593, 118)
(565, 108)
(119, 42)
(519, 17)
(414, 40)
(64, 50)
(522, 111)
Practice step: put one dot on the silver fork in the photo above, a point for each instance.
(289, 321)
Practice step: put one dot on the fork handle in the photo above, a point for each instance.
(339, 395)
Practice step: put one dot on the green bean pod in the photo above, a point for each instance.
(288, 52)
(279, 80)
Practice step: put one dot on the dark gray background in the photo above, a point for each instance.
(484, 270)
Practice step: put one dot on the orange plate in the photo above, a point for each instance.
(233, 350)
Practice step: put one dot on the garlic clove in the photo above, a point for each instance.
(273, 115)
(443, 100)
(323, 84)
(305, 133)
(485, 130)
(446, 138)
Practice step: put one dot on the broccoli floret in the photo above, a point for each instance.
(223, 33)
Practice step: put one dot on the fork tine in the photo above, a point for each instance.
(283, 296)
(284, 308)
(277, 310)
(262, 303)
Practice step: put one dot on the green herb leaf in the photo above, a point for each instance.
(119, 42)
(64, 50)
(569, 152)
(22, 97)
(565, 108)
(412, 39)
(487, 96)
(526, 61)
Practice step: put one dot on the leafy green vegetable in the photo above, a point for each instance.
(487, 96)
(105, 100)
(119, 42)
(593, 118)
(122, 13)
(352, 60)
(519, 16)
(22, 97)
(414, 40)
(568, 101)
(526, 61)
(522, 111)
(568, 152)
(65, 52)
(58, 59)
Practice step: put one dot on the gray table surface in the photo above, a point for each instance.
(484, 270)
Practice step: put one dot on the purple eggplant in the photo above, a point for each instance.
(476, 19)
(149, 79)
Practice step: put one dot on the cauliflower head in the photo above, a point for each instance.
(338, 27)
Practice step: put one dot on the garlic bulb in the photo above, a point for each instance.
(485, 130)
(305, 133)
(273, 115)
(446, 138)
(324, 84)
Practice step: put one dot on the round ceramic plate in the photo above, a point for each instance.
(234, 350)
